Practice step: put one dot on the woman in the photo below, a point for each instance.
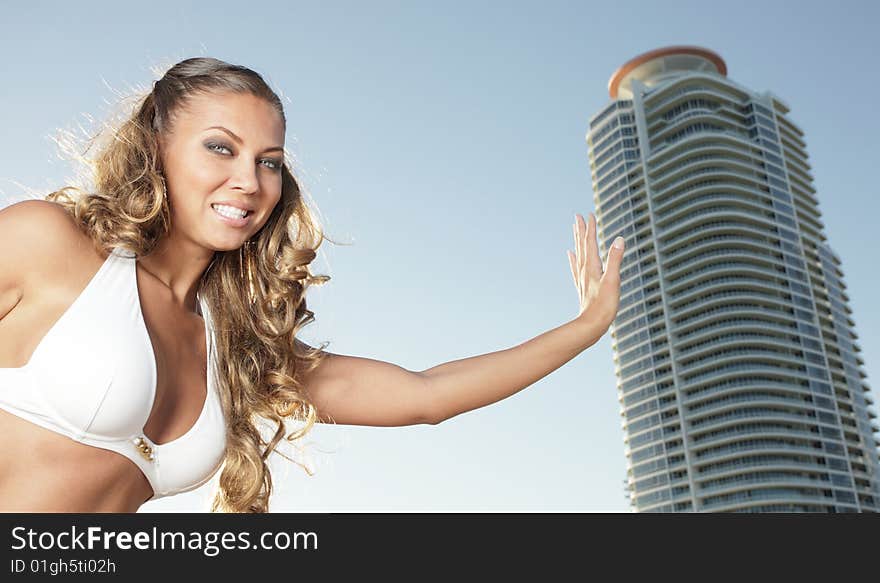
(148, 326)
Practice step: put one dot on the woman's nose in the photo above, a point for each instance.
(245, 177)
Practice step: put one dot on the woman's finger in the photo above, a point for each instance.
(573, 269)
(612, 262)
(582, 247)
(593, 259)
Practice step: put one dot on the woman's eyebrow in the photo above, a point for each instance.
(239, 140)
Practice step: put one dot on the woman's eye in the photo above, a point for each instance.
(273, 164)
(212, 146)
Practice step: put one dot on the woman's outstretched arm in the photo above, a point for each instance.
(463, 385)
(360, 391)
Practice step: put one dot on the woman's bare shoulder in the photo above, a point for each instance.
(37, 236)
(25, 216)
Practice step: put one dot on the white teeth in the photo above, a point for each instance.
(229, 211)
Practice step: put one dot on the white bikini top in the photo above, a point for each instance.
(93, 378)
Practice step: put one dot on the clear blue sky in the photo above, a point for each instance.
(445, 142)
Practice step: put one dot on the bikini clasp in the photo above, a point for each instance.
(143, 447)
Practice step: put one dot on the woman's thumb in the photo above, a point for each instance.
(615, 256)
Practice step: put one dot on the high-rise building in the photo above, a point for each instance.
(739, 376)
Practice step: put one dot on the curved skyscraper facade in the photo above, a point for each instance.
(739, 376)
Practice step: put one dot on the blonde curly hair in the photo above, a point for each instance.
(256, 294)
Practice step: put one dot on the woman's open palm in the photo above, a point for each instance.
(598, 289)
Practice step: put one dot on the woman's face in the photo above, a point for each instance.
(239, 167)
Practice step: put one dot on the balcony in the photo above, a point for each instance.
(705, 259)
(761, 497)
(733, 402)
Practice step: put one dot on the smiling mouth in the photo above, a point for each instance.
(230, 214)
(233, 220)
